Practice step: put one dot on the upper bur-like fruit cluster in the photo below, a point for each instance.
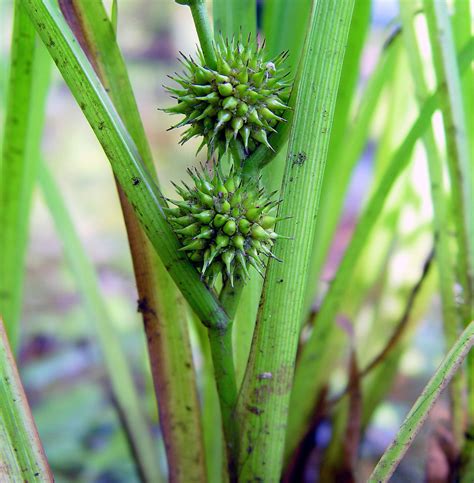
(242, 98)
(224, 226)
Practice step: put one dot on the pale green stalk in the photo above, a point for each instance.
(234, 18)
(459, 162)
(203, 29)
(220, 336)
(343, 152)
(460, 166)
(444, 258)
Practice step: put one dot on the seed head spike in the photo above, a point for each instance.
(243, 80)
(224, 224)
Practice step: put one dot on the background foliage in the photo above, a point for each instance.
(80, 277)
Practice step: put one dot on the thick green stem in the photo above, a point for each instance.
(221, 349)
(264, 398)
(203, 29)
(220, 339)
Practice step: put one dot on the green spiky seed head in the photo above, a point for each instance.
(242, 99)
(225, 225)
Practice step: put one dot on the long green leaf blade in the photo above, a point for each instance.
(264, 398)
(137, 183)
(22, 456)
(420, 410)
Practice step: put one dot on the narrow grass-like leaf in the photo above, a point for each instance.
(420, 410)
(137, 183)
(462, 32)
(160, 303)
(444, 258)
(114, 357)
(459, 164)
(22, 135)
(317, 353)
(232, 17)
(22, 456)
(264, 398)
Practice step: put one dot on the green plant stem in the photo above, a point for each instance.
(460, 167)
(220, 340)
(160, 303)
(445, 262)
(203, 29)
(230, 296)
(24, 117)
(420, 410)
(220, 336)
(447, 73)
(264, 397)
(22, 456)
(137, 183)
(318, 353)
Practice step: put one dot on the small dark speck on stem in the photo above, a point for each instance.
(298, 159)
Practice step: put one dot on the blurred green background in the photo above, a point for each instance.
(59, 358)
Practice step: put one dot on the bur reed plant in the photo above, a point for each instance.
(235, 255)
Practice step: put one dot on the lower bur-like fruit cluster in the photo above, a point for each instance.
(224, 225)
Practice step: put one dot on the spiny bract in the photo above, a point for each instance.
(242, 99)
(224, 225)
